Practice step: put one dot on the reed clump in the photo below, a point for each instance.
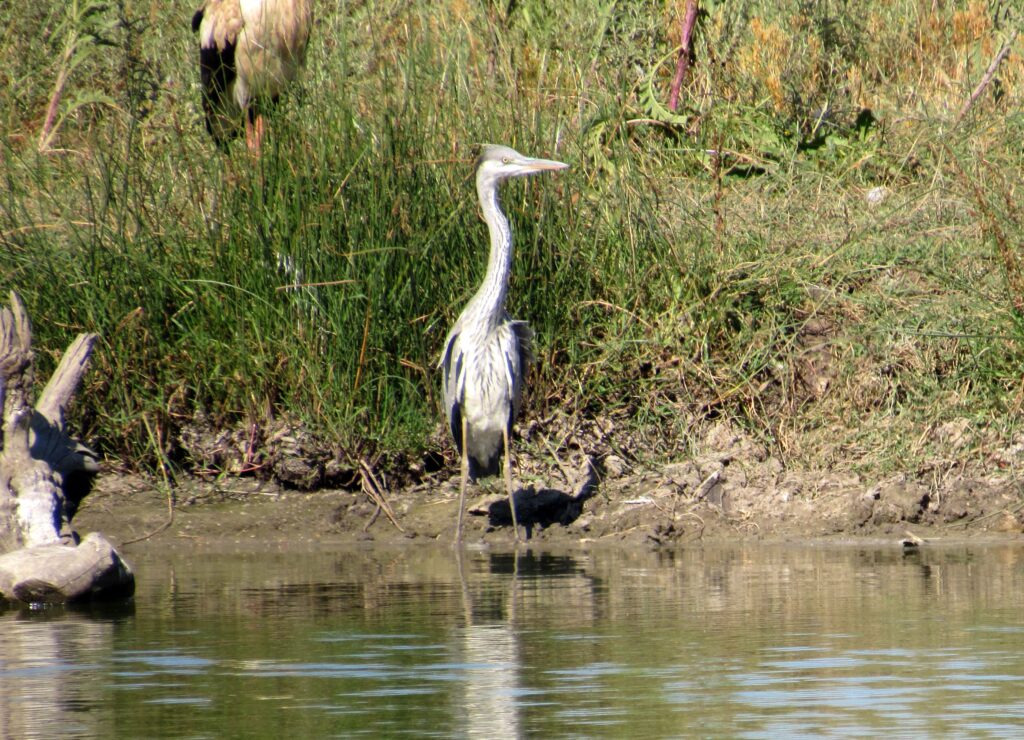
(817, 245)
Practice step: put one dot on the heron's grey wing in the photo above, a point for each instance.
(219, 23)
(452, 368)
(519, 363)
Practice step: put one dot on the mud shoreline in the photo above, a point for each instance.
(734, 494)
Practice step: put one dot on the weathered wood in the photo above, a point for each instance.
(49, 574)
(43, 560)
(18, 471)
(50, 441)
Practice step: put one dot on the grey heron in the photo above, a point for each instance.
(487, 353)
(249, 51)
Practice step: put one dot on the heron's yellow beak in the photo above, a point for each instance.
(543, 165)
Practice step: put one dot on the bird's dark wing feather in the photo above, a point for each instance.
(513, 372)
(218, 24)
(524, 347)
(452, 375)
(524, 341)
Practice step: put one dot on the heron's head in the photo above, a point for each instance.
(497, 163)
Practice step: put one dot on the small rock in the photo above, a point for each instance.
(614, 466)
(952, 434)
(876, 195)
(1008, 522)
(583, 523)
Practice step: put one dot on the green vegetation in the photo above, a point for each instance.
(724, 260)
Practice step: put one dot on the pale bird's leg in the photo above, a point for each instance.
(260, 129)
(254, 133)
(508, 483)
(250, 135)
(462, 486)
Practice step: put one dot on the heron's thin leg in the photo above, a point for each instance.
(508, 483)
(462, 485)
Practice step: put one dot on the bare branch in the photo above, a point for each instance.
(986, 79)
(685, 52)
(53, 401)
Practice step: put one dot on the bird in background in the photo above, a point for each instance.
(487, 353)
(249, 51)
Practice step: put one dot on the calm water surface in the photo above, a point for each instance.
(745, 642)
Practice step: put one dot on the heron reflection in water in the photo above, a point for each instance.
(487, 352)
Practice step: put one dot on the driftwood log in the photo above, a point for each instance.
(43, 474)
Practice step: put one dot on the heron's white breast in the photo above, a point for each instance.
(487, 393)
(489, 385)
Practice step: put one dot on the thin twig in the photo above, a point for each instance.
(162, 527)
(167, 486)
(362, 348)
(987, 78)
(248, 466)
(561, 466)
(46, 133)
(703, 525)
(372, 519)
(373, 489)
(323, 284)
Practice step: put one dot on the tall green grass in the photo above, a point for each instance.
(691, 265)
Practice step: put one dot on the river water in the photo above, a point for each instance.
(760, 641)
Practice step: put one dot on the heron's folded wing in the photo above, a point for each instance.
(452, 368)
(519, 364)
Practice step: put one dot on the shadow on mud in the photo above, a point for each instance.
(541, 508)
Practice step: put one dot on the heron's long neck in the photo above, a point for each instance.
(490, 299)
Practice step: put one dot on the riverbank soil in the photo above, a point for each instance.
(729, 489)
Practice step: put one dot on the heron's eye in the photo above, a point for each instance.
(506, 160)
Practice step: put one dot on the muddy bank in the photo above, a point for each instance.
(732, 491)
